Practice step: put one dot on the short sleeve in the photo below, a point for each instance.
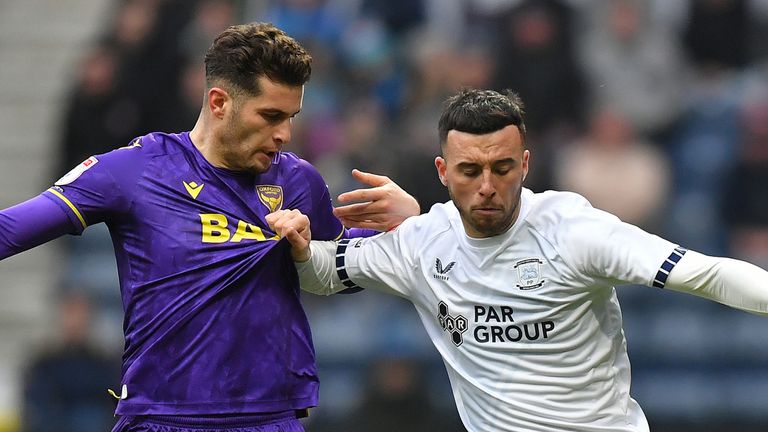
(601, 246)
(316, 203)
(384, 262)
(99, 187)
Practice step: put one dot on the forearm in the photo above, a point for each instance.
(30, 224)
(318, 274)
(728, 281)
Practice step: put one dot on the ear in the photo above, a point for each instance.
(441, 168)
(526, 157)
(218, 101)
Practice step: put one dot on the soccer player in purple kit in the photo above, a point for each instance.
(215, 335)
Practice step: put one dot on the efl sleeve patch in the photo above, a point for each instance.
(77, 171)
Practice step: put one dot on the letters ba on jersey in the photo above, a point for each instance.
(491, 324)
(217, 228)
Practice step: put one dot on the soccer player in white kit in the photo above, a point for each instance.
(515, 288)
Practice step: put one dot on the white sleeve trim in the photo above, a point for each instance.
(734, 283)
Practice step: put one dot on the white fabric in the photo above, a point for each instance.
(539, 344)
(317, 274)
(731, 282)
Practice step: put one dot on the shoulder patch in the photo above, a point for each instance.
(77, 171)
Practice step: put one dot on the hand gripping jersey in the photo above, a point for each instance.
(527, 322)
(213, 322)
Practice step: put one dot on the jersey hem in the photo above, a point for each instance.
(229, 407)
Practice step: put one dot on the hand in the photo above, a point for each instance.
(294, 226)
(382, 207)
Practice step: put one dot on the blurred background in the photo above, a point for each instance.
(654, 110)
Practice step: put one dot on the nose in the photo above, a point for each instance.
(282, 133)
(487, 189)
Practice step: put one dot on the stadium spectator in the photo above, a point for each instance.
(98, 111)
(634, 179)
(395, 385)
(65, 384)
(701, 149)
(746, 211)
(633, 63)
(708, 21)
(536, 55)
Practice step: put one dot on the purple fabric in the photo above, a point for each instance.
(357, 232)
(32, 223)
(213, 322)
(268, 423)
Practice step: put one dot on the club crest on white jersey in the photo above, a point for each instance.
(529, 273)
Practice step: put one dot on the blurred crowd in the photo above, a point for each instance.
(656, 111)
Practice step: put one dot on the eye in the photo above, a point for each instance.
(503, 169)
(273, 117)
(470, 172)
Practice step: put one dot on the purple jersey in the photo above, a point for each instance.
(213, 322)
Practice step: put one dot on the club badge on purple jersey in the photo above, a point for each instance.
(271, 196)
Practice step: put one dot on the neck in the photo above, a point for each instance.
(204, 140)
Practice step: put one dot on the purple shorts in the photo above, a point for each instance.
(277, 422)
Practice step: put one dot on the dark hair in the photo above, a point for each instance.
(241, 54)
(481, 112)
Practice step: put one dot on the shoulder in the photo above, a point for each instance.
(557, 201)
(292, 167)
(438, 220)
(562, 217)
(553, 208)
(144, 147)
(289, 162)
(160, 144)
(124, 164)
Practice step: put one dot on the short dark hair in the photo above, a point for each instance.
(480, 112)
(241, 54)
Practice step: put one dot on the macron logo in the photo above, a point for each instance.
(442, 271)
(193, 189)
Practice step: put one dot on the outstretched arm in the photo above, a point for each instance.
(30, 224)
(728, 281)
(382, 207)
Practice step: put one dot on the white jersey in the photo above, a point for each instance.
(527, 322)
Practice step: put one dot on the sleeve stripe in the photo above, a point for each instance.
(661, 276)
(70, 205)
(341, 234)
(341, 265)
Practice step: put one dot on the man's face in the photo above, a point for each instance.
(256, 127)
(484, 175)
